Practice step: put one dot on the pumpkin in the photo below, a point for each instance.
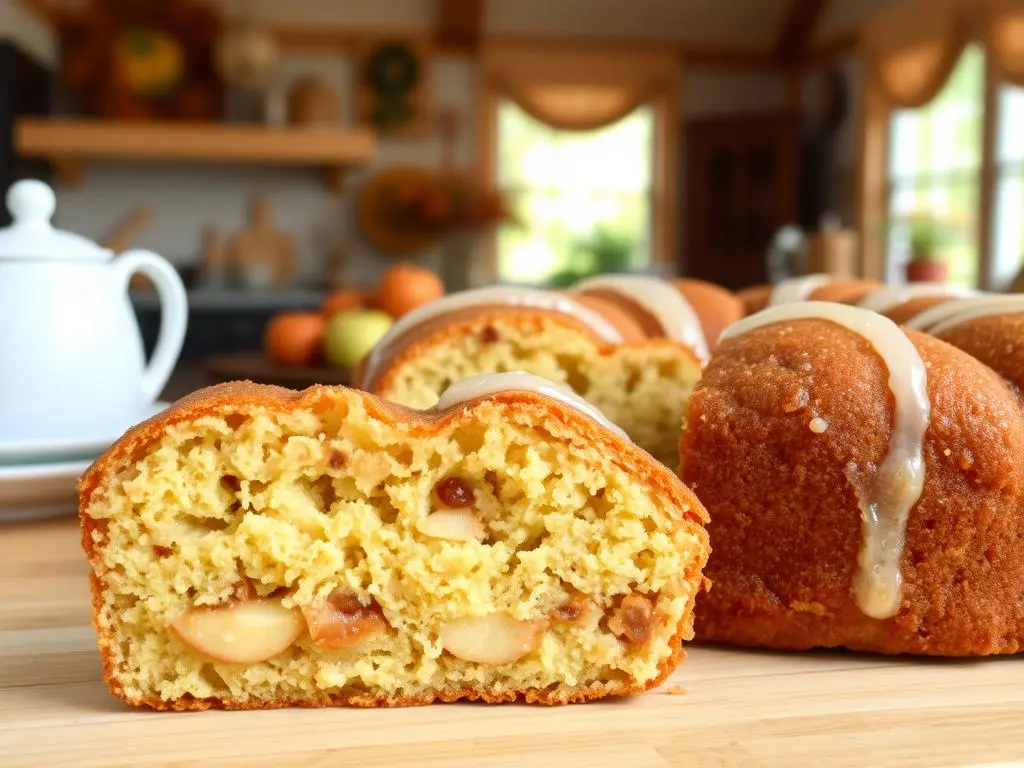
(150, 61)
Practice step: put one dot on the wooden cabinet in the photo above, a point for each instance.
(741, 179)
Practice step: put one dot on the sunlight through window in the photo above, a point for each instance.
(934, 172)
(1009, 221)
(583, 199)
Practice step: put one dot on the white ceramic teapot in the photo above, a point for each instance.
(72, 363)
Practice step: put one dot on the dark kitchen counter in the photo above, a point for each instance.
(187, 378)
(222, 322)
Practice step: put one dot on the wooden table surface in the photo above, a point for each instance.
(723, 707)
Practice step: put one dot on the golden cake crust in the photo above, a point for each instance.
(223, 398)
(906, 311)
(997, 341)
(716, 307)
(755, 298)
(477, 320)
(625, 305)
(456, 325)
(785, 520)
(845, 290)
(627, 324)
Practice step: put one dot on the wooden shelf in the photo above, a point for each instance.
(66, 143)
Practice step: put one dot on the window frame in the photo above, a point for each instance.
(968, 176)
(1001, 169)
(663, 188)
(647, 192)
(874, 183)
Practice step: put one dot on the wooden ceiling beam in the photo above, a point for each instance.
(797, 30)
(728, 58)
(828, 51)
(460, 31)
(327, 40)
(46, 11)
(297, 39)
(460, 25)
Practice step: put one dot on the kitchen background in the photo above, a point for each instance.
(750, 142)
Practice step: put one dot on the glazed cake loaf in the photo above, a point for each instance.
(631, 346)
(989, 328)
(257, 547)
(864, 485)
(716, 308)
(902, 303)
(816, 287)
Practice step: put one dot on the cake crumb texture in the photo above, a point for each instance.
(642, 387)
(323, 501)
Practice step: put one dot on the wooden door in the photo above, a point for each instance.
(740, 176)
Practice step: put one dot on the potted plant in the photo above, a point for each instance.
(927, 239)
(603, 251)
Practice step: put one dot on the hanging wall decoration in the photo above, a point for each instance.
(393, 95)
(125, 59)
(246, 56)
(398, 210)
(407, 210)
(311, 101)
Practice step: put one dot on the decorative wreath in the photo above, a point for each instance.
(387, 211)
(392, 74)
(393, 69)
(406, 210)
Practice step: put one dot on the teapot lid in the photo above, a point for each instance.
(32, 236)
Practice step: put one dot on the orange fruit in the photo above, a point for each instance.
(405, 287)
(295, 338)
(344, 299)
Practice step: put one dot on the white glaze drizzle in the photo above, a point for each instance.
(949, 313)
(991, 307)
(517, 381)
(796, 289)
(897, 485)
(892, 296)
(669, 307)
(940, 312)
(485, 297)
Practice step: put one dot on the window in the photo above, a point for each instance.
(1008, 246)
(583, 199)
(935, 168)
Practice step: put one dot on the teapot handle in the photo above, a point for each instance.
(174, 314)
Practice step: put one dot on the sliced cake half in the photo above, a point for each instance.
(258, 547)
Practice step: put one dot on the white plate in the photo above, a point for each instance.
(39, 490)
(31, 452)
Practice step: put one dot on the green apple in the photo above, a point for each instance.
(350, 335)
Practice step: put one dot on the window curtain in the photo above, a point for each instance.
(579, 90)
(913, 49)
(586, 88)
(1003, 22)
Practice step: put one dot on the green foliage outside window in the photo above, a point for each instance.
(934, 174)
(603, 251)
(582, 199)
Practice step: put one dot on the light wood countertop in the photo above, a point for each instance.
(729, 708)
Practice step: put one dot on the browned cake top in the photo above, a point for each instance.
(235, 396)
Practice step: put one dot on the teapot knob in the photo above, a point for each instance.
(31, 202)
